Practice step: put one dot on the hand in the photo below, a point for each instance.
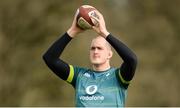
(74, 29)
(100, 28)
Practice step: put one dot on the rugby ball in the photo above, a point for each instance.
(83, 17)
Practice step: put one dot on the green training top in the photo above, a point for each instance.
(98, 89)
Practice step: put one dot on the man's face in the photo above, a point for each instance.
(100, 51)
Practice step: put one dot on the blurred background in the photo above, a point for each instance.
(151, 28)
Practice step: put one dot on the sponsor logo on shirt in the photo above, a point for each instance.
(87, 75)
(91, 90)
(92, 97)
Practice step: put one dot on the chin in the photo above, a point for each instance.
(95, 62)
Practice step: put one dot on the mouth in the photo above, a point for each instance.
(96, 56)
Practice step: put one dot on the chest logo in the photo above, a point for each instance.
(92, 89)
(87, 75)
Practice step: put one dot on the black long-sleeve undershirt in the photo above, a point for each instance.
(51, 57)
(128, 67)
(61, 68)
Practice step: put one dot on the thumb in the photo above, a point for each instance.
(96, 29)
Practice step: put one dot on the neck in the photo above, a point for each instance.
(101, 67)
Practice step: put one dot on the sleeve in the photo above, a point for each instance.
(52, 60)
(73, 74)
(128, 67)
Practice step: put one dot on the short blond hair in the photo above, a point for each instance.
(107, 43)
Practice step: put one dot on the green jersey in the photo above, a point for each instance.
(97, 89)
(94, 89)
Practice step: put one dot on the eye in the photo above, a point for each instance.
(93, 48)
(96, 48)
(99, 48)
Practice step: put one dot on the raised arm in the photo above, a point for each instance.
(51, 57)
(128, 67)
(130, 60)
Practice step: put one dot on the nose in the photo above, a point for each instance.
(95, 50)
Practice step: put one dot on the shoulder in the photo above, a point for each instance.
(114, 70)
(79, 69)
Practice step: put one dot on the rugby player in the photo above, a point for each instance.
(101, 85)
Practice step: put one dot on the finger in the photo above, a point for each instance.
(75, 17)
(96, 29)
(77, 12)
(95, 20)
(98, 13)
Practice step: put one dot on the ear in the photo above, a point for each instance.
(110, 54)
